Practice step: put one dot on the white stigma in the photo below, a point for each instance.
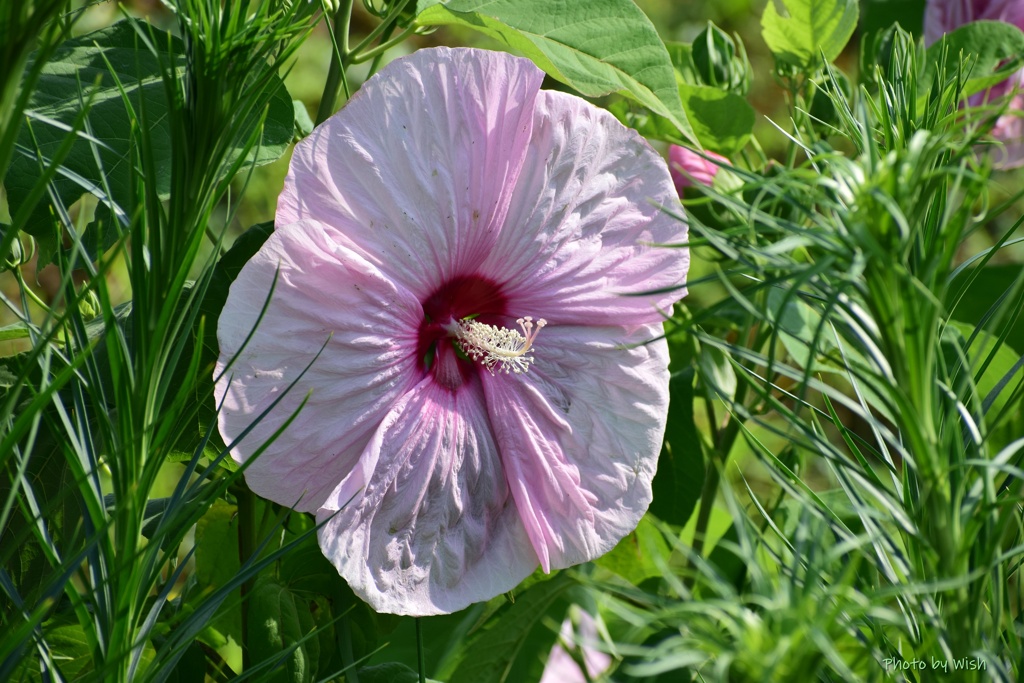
(499, 348)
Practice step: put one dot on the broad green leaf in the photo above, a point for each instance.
(71, 650)
(722, 121)
(996, 46)
(443, 636)
(276, 628)
(988, 377)
(390, 672)
(217, 562)
(79, 71)
(514, 641)
(641, 120)
(227, 269)
(987, 285)
(633, 558)
(798, 328)
(680, 475)
(303, 123)
(878, 15)
(598, 47)
(808, 29)
(191, 667)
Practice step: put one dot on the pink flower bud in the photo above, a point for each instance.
(690, 168)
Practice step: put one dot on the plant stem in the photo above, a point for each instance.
(30, 293)
(375, 64)
(722, 443)
(384, 46)
(339, 62)
(420, 658)
(382, 30)
(712, 476)
(246, 547)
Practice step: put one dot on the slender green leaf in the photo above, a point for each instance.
(989, 372)
(996, 46)
(79, 68)
(817, 347)
(984, 287)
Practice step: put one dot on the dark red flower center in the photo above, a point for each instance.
(463, 296)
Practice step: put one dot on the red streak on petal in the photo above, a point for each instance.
(449, 370)
(458, 298)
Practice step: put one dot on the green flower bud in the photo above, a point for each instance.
(883, 51)
(721, 61)
(19, 254)
(89, 304)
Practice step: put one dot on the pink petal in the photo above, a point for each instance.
(419, 166)
(690, 168)
(324, 293)
(1009, 130)
(582, 220)
(432, 527)
(945, 16)
(562, 667)
(580, 436)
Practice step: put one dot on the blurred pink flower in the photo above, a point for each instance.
(698, 170)
(1009, 129)
(562, 667)
(447, 448)
(944, 16)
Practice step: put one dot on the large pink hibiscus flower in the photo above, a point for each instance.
(944, 16)
(448, 449)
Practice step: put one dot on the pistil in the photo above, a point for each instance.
(498, 348)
